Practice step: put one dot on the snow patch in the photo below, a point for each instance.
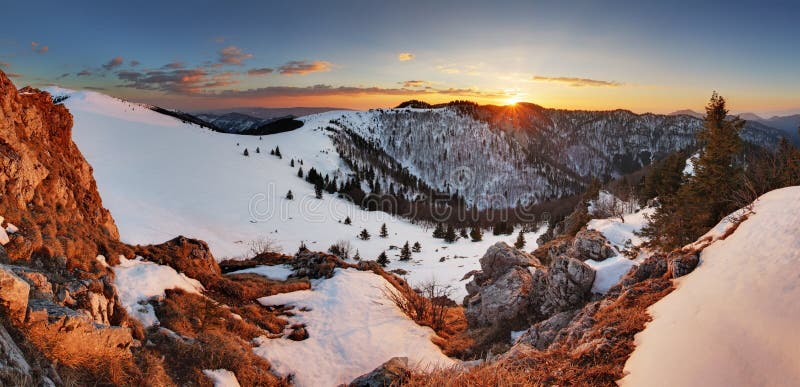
(275, 272)
(608, 272)
(3, 236)
(353, 328)
(138, 281)
(222, 378)
(733, 321)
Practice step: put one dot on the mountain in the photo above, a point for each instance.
(269, 113)
(687, 112)
(232, 122)
(790, 125)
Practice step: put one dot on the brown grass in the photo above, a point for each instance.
(596, 358)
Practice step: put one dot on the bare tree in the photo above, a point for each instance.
(264, 245)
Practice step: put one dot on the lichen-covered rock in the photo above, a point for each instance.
(391, 373)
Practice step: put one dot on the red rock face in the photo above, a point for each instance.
(46, 186)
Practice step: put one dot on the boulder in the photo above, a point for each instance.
(391, 373)
(543, 333)
(591, 244)
(681, 264)
(653, 266)
(501, 257)
(504, 300)
(186, 255)
(569, 284)
(13, 294)
(14, 369)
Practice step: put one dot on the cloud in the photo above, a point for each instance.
(577, 82)
(13, 75)
(62, 76)
(301, 67)
(328, 90)
(404, 56)
(174, 65)
(233, 55)
(5, 64)
(135, 63)
(178, 81)
(113, 63)
(39, 48)
(261, 71)
(456, 69)
(84, 73)
(412, 84)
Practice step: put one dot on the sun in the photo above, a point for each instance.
(513, 100)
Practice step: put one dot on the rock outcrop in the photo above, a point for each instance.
(586, 244)
(186, 255)
(391, 373)
(513, 289)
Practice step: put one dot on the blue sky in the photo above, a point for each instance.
(571, 54)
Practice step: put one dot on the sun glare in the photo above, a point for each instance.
(512, 100)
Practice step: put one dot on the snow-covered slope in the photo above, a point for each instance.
(733, 321)
(353, 328)
(161, 178)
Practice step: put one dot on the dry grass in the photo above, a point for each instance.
(596, 358)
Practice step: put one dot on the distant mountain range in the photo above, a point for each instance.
(268, 113)
(786, 124)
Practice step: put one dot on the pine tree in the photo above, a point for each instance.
(384, 231)
(318, 191)
(463, 233)
(289, 195)
(278, 152)
(357, 256)
(246, 153)
(405, 252)
(438, 232)
(450, 234)
(520, 243)
(704, 199)
(300, 172)
(258, 150)
(417, 247)
(347, 221)
(291, 163)
(364, 236)
(476, 234)
(383, 260)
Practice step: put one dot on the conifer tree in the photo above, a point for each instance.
(438, 232)
(384, 231)
(450, 234)
(417, 247)
(318, 191)
(246, 153)
(291, 163)
(357, 256)
(520, 243)
(258, 150)
(289, 195)
(405, 252)
(463, 233)
(278, 152)
(476, 234)
(364, 235)
(300, 172)
(383, 260)
(347, 221)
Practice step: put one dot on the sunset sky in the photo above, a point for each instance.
(197, 55)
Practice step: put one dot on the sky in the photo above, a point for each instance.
(201, 55)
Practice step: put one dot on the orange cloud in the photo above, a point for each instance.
(577, 82)
(233, 55)
(405, 56)
(116, 62)
(416, 83)
(301, 67)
